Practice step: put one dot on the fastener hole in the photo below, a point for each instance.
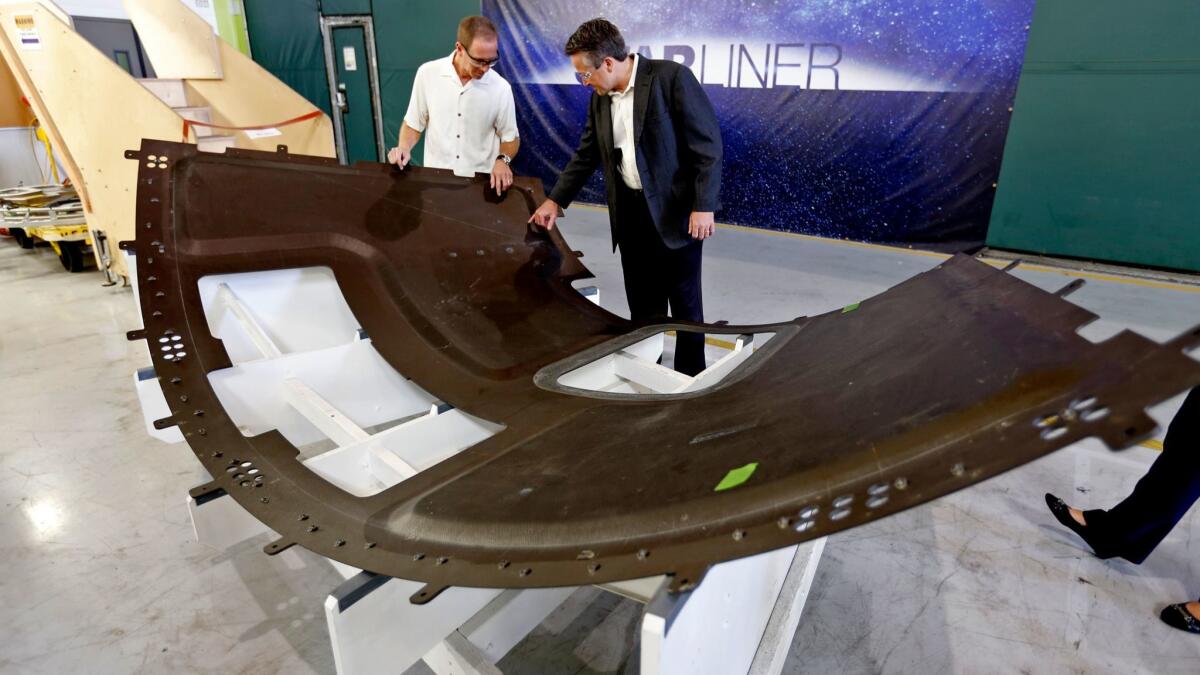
(878, 489)
(1085, 403)
(1046, 421)
(1054, 433)
(1094, 415)
(839, 514)
(876, 502)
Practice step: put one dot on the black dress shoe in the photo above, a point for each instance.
(1062, 513)
(1178, 616)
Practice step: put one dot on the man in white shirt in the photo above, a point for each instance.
(465, 110)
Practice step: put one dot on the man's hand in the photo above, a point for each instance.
(400, 156)
(546, 214)
(700, 225)
(502, 177)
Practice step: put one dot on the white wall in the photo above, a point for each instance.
(21, 163)
(104, 9)
(112, 9)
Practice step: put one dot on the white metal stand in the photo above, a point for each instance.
(302, 366)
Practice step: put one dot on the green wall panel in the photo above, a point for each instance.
(334, 7)
(1103, 157)
(285, 38)
(407, 34)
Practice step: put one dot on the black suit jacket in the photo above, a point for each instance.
(678, 144)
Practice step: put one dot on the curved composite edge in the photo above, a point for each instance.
(306, 510)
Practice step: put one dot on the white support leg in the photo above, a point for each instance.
(259, 337)
(742, 608)
(373, 627)
(220, 522)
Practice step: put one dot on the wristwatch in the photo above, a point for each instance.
(504, 158)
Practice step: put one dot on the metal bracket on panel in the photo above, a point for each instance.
(1070, 288)
(1012, 265)
(278, 546)
(135, 335)
(357, 587)
(687, 578)
(428, 592)
(1187, 341)
(202, 494)
(165, 423)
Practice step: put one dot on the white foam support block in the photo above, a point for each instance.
(352, 377)
(375, 629)
(717, 627)
(299, 310)
(419, 443)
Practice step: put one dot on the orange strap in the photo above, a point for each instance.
(188, 124)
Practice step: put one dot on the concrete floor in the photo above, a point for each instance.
(101, 573)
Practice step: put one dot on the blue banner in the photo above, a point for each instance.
(874, 120)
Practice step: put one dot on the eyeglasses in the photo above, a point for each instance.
(583, 77)
(480, 62)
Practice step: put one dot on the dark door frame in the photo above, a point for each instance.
(328, 24)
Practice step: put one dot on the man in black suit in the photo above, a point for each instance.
(654, 131)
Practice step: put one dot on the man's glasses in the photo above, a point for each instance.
(583, 77)
(480, 63)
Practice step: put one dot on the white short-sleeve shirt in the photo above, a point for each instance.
(463, 125)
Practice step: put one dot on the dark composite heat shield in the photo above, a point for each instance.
(953, 376)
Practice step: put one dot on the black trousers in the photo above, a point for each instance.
(658, 278)
(1133, 528)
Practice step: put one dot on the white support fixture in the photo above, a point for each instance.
(335, 425)
(150, 394)
(154, 405)
(329, 384)
(263, 342)
(722, 625)
(785, 617)
(219, 522)
(375, 629)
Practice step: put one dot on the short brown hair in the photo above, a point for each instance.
(473, 27)
(597, 39)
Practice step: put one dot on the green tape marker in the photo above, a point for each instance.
(736, 477)
(850, 308)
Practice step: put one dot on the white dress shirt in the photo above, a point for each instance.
(623, 139)
(463, 125)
